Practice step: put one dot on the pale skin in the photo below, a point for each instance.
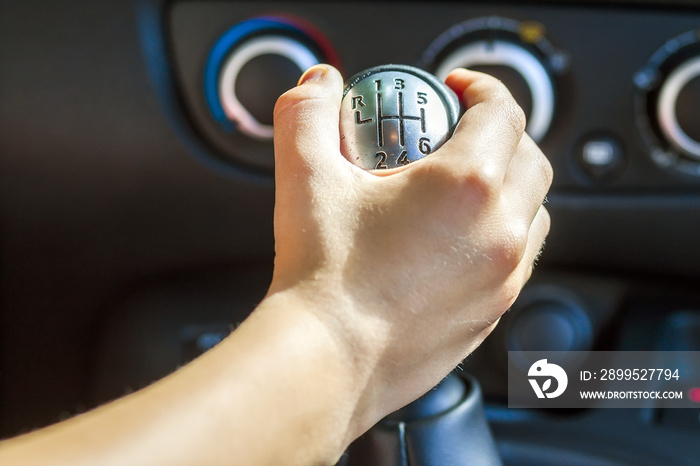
(383, 283)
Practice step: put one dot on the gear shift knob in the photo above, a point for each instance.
(392, 115)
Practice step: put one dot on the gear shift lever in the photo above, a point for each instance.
(445, 427)
(392, 115)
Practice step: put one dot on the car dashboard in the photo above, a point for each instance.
(137, 189)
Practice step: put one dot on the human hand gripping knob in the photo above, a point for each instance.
(410, 268)
(384, 281)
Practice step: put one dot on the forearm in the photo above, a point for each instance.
(277, 391)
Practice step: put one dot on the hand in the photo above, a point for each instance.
(411, 268)
(383, 282)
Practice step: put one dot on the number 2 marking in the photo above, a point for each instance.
(382, 160)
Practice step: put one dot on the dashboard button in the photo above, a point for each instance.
(550, 325)
(600, 156)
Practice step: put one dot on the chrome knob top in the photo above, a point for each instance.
(392, 115)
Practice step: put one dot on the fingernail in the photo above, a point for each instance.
(312, 74)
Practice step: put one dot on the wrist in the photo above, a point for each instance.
(350, 342)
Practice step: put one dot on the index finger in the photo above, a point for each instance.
(491, 127)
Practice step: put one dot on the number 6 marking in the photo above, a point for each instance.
(424, 146)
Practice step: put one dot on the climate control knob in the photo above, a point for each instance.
(255, 74)
(667, 102)
(249, 66)
(516, 53)
(677, 108)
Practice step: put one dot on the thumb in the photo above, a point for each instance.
(306, 123)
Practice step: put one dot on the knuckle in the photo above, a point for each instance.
(482, 184)
(283, 116)
(297, 100)
(491, 89)
(288, 99)
(547, 171)
(540, 161)
(488, 86)
(505, 106)
(509, 293)
(546, 219)
(505, 294)
(477, 185)
(513, 115)
(451, 178)
(287, 102)
(471, 187)
(508, 249)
